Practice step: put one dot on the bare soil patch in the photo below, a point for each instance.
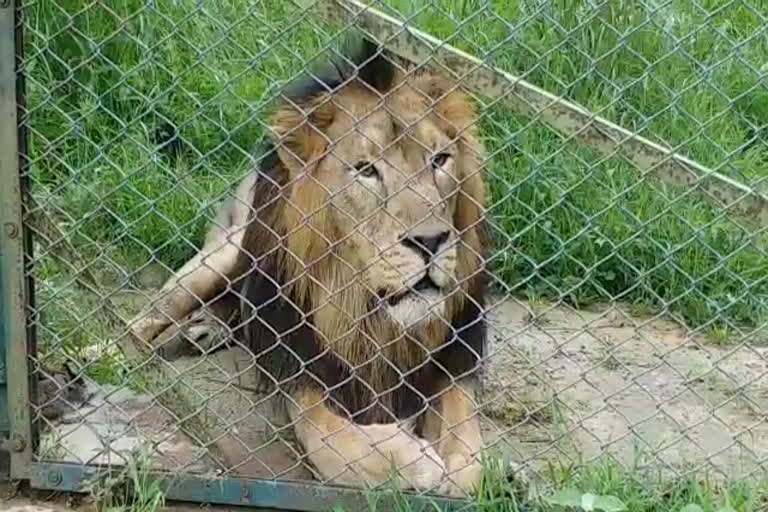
(562, 385)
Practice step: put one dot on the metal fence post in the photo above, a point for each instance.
(5, 427)
(13, 288)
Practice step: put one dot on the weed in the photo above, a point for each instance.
(601, 485)
(132, 490)
(720, 334)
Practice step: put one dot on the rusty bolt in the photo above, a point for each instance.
(17, 443)
(11, 230)
(54, 477)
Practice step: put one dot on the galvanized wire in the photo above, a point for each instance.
(626, 312)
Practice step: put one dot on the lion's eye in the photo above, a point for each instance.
(366, 170)
(439, 160)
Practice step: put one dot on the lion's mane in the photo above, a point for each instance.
(304, 315)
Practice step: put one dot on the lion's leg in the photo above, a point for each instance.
(199, 280)
(460, 440)
(431, 423)
(205, 330)
(205, 275)
(350, 454)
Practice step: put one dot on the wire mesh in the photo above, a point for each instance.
(625, 316)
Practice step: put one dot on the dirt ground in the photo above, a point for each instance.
(574, 384)
(561, 385)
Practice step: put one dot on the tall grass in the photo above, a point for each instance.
(143, 113)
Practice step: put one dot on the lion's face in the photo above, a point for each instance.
(391, 176)
(386, 190)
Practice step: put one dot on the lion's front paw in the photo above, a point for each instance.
(197, 334)
(144, 330)
(418, 464)
(366, 455)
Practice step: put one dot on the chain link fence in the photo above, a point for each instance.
(617, 152)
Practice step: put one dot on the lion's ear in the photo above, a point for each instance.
(298, 127)
(298, 132)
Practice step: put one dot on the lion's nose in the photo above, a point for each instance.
(426, 246)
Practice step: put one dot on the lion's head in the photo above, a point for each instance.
(380, 199)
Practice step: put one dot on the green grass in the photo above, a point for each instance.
(135, 489)
(568, 224)
(629, 490)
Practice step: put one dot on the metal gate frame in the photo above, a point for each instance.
(15, 250)
(17, 335)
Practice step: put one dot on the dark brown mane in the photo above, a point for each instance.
(292, 243)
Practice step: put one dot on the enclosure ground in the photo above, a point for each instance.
(568, 382)
(560, 385)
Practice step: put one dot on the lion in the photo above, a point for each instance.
(351, 263)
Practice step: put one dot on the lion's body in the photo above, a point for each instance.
(359, 269)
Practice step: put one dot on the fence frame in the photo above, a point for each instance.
(282, 495)
(17, 292)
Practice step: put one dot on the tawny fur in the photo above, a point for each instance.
(334, 242)
(311, 234)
